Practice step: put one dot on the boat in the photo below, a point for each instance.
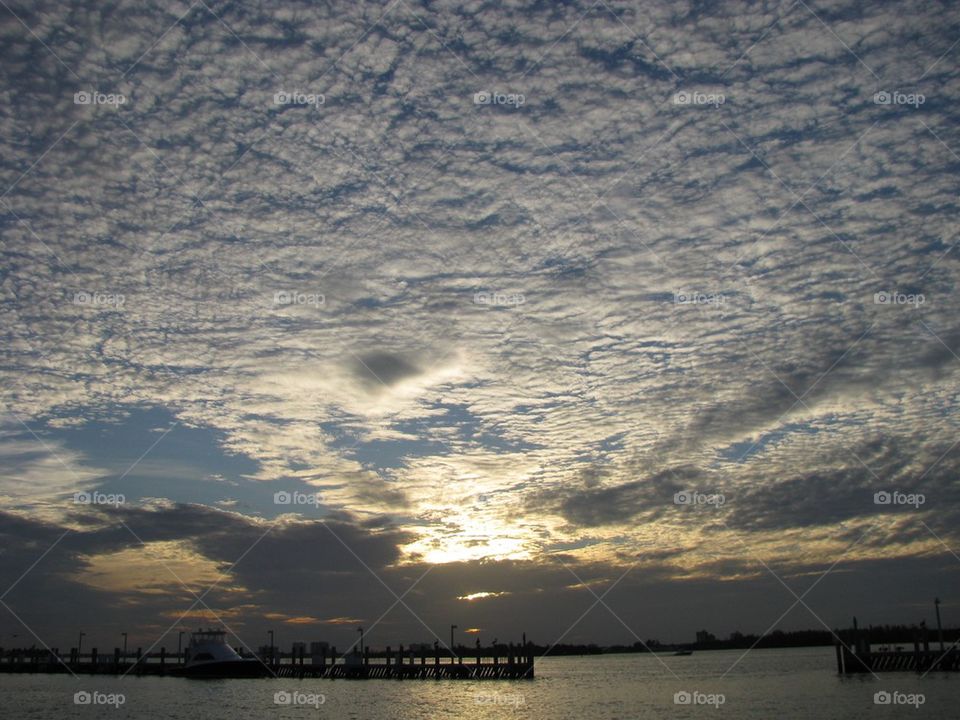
(208, 655)
(684, 652)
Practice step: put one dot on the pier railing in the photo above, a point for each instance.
(856, 655)
(511, 662)
(851, 662)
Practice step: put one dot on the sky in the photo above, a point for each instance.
(599, 321)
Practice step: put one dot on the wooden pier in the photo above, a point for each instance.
(855, 655)
(916, 660)
(510, 662)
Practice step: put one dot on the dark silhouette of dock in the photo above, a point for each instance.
(508, 662)
(855, 655)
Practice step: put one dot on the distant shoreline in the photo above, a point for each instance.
(892, 635)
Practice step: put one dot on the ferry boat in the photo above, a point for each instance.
(208, 655)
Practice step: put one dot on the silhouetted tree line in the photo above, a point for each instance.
(875, 634)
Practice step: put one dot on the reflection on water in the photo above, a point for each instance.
(796, 683)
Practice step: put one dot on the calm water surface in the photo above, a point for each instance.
(796, 683)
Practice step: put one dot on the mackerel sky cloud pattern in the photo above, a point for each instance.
(327, 249)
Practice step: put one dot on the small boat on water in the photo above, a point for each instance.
(210, 656)
(684, 652)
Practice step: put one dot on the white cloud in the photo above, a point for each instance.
(399, 199)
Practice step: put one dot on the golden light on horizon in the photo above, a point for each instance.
(293, 620)
(483, 595)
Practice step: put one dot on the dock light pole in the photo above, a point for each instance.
(124, 648)
(270, 633)
(360, 630)
(936, 604)
(80, 645)
(180, 647)
(452, 653)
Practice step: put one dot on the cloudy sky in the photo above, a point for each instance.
(601, 321)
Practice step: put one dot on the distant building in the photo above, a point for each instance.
(704, 637)
(319, 650)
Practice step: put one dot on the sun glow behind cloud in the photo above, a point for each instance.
(460, 535)
(158, 568)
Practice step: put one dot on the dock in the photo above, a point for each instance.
(510, 662)
(916, 660)
(855, 655)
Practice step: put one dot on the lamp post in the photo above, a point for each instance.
(270, 633)
(124, 648)
(452, 628)
(936, 604)
(80, 645)
(360, 630)
(180, 647)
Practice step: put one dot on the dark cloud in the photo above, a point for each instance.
(844, 486)
(292, 576)
(650, 497)
(383, 368)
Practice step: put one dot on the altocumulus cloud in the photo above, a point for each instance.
(496, 330)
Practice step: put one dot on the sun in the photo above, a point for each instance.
(477, 539)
